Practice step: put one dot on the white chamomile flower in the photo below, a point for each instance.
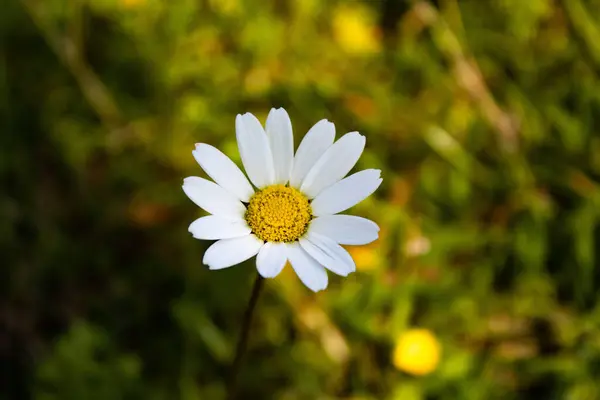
(292, 215)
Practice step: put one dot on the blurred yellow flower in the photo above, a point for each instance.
(366, 257)
(417, 352)
(354, 31)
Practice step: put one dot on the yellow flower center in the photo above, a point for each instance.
(278, 213)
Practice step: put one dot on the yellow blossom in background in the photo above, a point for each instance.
(417, 352)
(355, 31)
(367, 257)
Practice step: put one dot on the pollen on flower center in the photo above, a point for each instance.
(278, 213)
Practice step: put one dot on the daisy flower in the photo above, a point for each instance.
(290, 212)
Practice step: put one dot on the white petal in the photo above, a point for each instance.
(328, 253)
(310, 272)
(214, 227)
(346, 193)
(345, 229)
(271, 259)
(223, 171)
(255, 151)
(228, 252)
(213, 198)
(318, 139)
(281, 140)
(334, 164)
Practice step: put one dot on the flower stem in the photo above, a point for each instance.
(243, 339)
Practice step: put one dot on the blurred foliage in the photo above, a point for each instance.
(483, 116)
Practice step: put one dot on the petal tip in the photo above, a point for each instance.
(375, 172)
(355, 135)
(201, 146)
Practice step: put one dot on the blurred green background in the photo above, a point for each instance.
(482, 115)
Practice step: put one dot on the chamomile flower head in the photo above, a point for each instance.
(288, 207)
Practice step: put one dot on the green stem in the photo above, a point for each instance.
(243, 339)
